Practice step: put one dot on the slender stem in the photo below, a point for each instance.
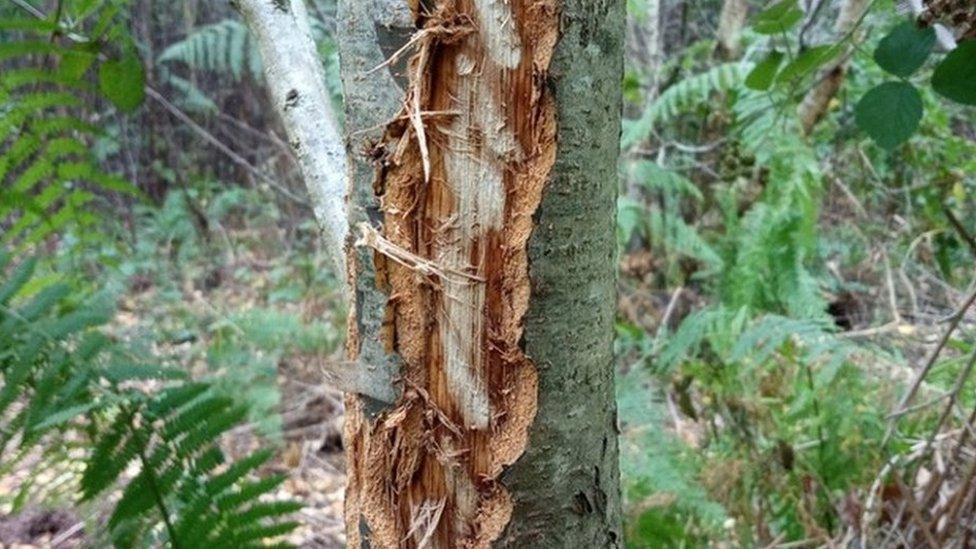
(954, 322)
(817, 10)
(157, 495)
(960, 228)
(822, 447)
(28, 8)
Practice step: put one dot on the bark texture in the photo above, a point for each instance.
(484, 180)
(296, 82)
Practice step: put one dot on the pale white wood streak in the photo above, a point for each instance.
(498, 32)
(296, 82)
(479, 146)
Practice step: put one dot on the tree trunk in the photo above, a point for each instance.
(731, 21)
(816, 103)
(655, 45)
(296, 82)
(484, 178)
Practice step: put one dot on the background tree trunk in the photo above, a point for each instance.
(296, 82)
(654, 44)
(816, 103)
(731, 21)
(484, 187)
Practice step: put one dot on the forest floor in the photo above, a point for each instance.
(250, 304)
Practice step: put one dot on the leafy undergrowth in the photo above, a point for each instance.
(780, 293)
(217, 288)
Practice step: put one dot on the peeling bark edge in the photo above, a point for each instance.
(565, 488)
(576, 499)
(296, 83)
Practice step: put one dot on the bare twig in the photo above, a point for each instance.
(954, 322)
(220, 146)
(29, 8)
(915, 513)
(960, 228)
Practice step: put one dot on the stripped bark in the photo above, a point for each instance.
(816, 103)
(483, 196)
(482, 277)
(731, 21)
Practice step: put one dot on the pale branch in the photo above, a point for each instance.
(731, 21)
(296, 83)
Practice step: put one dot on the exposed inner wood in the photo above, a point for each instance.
(458, 193)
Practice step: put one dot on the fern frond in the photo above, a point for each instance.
(694, 91)
(59, 373)
(20, 49)
(21, 274)
(224, 47)
(654, 177)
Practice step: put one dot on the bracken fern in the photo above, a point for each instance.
(61, 379)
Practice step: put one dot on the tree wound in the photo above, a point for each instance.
(459, 194)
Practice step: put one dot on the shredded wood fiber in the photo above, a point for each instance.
(458, 191)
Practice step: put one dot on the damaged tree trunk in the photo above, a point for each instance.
(484, 138)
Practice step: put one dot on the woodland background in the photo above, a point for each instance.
(795, 336)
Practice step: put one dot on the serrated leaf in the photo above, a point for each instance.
(955, 76)
(778, 18)
(762, 76)
(890, 113)
(123, 82)
(905, 49)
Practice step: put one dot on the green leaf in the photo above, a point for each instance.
(905, 49)
(890, 113)
(955, 77)
(20, 276)
(778, 18)
(75, 63)
(808, 61)
(761, 77)
(123, 82)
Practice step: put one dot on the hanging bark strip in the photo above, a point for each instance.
(458, 195)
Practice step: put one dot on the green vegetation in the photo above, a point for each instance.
(796, 331)
(780, 289)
